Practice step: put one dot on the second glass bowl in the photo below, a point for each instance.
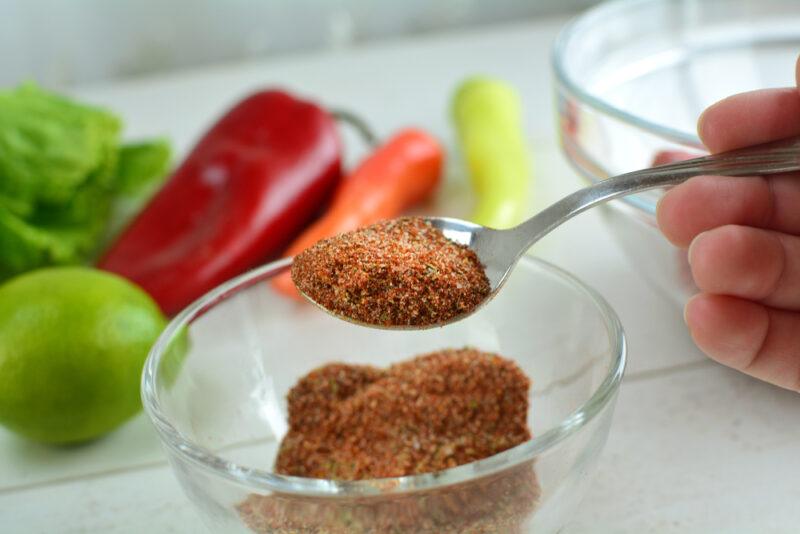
(633, 76)
(215, 386)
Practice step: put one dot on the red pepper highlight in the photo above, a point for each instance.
(254, 181)
(664, 157)
(401, 173)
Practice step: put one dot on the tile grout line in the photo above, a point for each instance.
(115, 471)
(643, 376)
(87, 476)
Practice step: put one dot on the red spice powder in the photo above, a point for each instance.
(497, 504)
(436, 411)
(401, 272)
(430, 413)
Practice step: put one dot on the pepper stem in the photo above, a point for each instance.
(357, 123)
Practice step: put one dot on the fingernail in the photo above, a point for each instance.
(686, 309)
(700, 120)
(658, 204)
(697, 238)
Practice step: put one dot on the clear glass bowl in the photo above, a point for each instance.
(633, 76)
(215, 384)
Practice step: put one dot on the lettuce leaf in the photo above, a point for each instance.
(141, 170)
(141, 166)
(62, 174)
(50, 146)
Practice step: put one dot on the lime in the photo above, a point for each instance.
(73, 341)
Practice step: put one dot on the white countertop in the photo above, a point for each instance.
(694, 447)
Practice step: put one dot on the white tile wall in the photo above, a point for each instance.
(60, 42)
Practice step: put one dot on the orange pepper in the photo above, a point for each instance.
(401, 173)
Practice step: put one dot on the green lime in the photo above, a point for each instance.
(73, 341)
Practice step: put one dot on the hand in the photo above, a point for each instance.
(743, 236)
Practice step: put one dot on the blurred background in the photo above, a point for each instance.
(61, 43)
(586, 91)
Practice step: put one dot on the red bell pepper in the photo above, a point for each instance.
(252, 183)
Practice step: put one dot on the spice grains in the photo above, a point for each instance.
(401, 272)
(433, 412)
(496, 504)
(439, 410)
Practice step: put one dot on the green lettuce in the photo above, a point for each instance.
(141, 169)
(66, 183)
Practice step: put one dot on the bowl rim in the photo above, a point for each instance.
(572, 30)
(266, 481)
(558, 58)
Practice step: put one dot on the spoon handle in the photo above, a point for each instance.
(769, 158)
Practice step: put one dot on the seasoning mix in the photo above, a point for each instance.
(433, 412)
(497, 504)
(401, 272)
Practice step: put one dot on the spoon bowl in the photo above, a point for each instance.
(474, 236)
(497, 254)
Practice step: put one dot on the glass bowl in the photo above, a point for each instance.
(215, 382)
(633, 76)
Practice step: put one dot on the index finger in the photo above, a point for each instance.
(751, 118)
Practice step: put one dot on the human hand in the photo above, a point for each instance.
(743, 236)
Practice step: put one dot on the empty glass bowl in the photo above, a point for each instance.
(633, 76)
(215, 385)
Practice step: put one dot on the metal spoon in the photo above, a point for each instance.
(500, 250)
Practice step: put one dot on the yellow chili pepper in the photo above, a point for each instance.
(488, 119)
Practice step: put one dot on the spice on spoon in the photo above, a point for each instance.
(401, 272)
